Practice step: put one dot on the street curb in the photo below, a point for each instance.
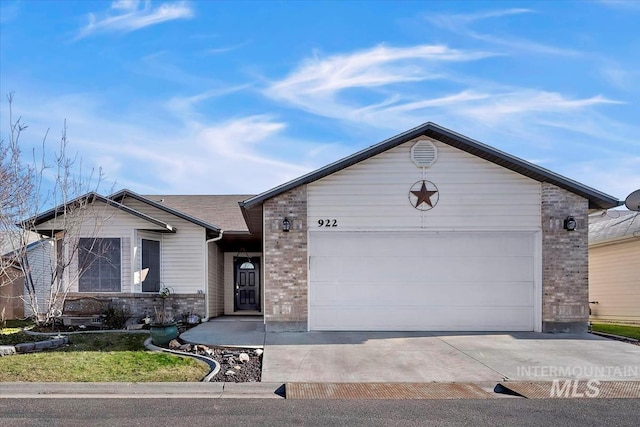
(124, 390)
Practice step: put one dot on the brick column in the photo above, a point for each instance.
(565, 261)
(285, 262)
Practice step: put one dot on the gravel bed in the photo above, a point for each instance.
(237, 365)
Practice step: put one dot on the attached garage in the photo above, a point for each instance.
(426, 231)
(428, 281)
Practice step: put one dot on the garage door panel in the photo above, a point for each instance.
(433, 244)
(421, 281)
(417, 319)
(421, 269)
(477, 294)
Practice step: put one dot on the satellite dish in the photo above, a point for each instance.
(633, 201)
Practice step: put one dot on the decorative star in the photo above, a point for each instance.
(424, 195)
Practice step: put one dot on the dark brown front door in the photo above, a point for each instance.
(247, 284)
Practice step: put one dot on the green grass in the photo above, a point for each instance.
(12, 333)
(622, 330)
(101, 358)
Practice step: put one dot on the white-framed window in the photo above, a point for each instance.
(100, 264)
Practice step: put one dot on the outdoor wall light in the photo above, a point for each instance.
(286, 225)
(570, 223)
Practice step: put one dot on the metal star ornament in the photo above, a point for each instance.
(423, 195)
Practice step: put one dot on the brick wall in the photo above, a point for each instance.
(140, 305)
(565, 262)
(285, 262)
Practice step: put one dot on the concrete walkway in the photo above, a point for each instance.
(424, 356)
(245, 331)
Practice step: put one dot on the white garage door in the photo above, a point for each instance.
(448, 281)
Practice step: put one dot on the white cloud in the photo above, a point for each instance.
(131, 15)
(625, 5)
(316, 84)
(158, 150)
(461, 24)
(393, 87)
(621, 78)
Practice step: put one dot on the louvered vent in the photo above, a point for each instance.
(424, 154)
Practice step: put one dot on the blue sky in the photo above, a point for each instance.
(198, 97)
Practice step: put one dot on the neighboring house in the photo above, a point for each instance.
(13, 292)
(428, 230)
(614, 266)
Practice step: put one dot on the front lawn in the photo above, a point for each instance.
(111, 357)
(622, 330)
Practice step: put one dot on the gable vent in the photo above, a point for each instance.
(424, 153)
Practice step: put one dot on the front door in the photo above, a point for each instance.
(247, 284)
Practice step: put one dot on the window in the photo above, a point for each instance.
(151, 260)
(99, 264)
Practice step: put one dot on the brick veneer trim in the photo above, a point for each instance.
(285, 261)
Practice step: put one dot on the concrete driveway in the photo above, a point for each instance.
(425, 356)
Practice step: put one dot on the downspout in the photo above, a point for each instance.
(206, 270)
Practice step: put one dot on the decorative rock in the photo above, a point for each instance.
(244, 358)
(210, 352)
(230, 373)
(231, 361)
(7, 350)
(237, 367)
(185, 347)
(25, 347)
(258, 352)
(174, 344)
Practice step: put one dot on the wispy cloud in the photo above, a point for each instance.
(621, 78)
(390, 87)
(626, 5)
(317, 83)
(225, 49)
(462, 24)
(130, 15)
(161, 150)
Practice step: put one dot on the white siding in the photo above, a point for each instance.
(215, 278)
(183, 252)
(108, 222)
(182, 255)
(473, 194)
(614, 281)
(41, 264)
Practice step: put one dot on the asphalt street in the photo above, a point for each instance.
(264, 412)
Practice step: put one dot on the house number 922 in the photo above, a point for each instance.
(327, 223)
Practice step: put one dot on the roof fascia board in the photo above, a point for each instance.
(597, 199)
(552, 177)
(128, 193)
(52, 213)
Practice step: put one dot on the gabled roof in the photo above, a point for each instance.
(91, 198)
(122, 194)
(221, 210)
(614, 226)
(597, 199)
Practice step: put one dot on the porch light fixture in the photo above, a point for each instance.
(570, 223)
(286, 225)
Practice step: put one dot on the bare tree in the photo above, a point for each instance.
(51, 198)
